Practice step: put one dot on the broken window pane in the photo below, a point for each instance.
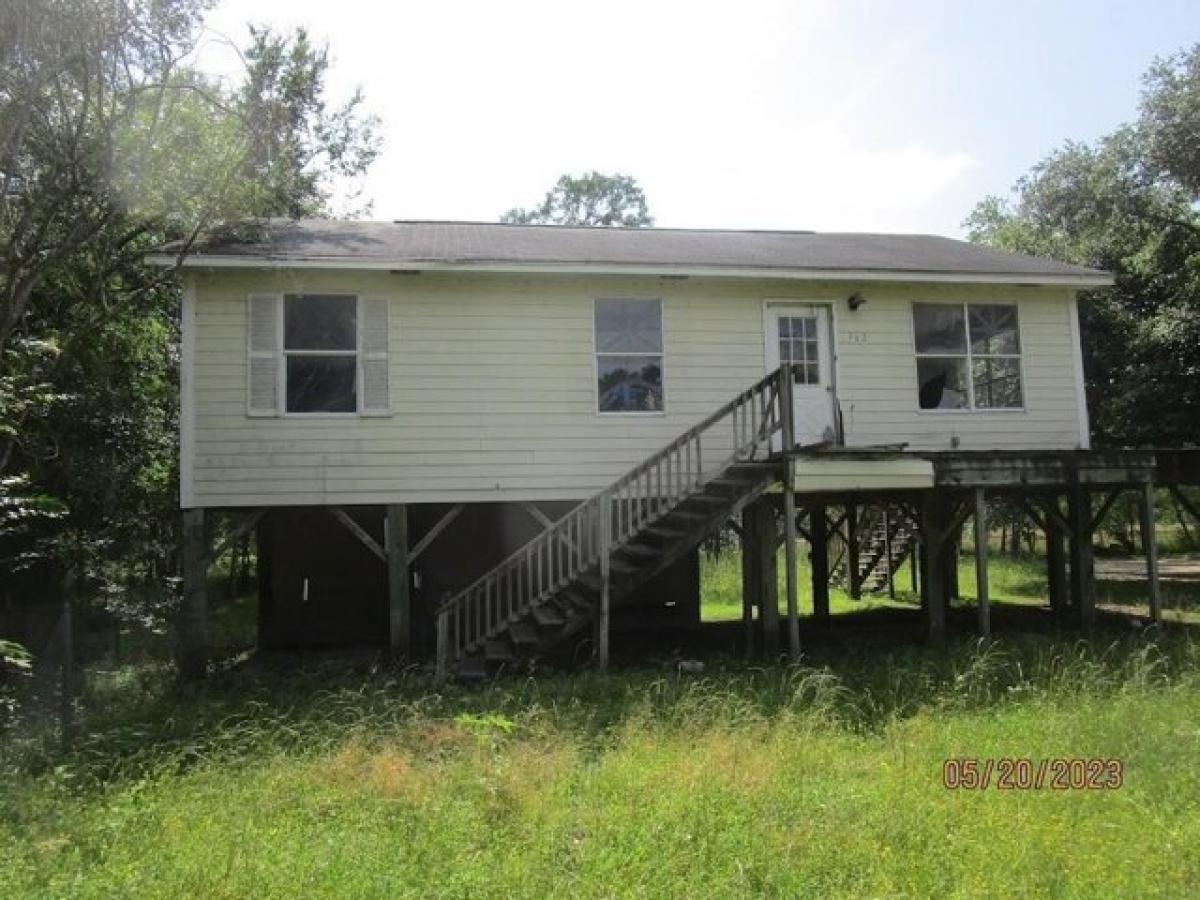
(943, 383)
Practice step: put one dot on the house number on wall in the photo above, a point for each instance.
(855, 337)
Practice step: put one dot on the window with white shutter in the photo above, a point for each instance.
(373, 356)
(318, 354)
(263, 348)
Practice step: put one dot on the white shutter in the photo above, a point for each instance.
(264, 352)
(373, 356)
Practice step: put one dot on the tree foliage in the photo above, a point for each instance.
(1126, 203)
(111, 146)
(591, 199)
(297, 145)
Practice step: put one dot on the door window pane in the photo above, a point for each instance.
(798, 345)
(943, 382)
(321, 384)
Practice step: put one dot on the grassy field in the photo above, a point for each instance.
(1017, 581)
(344, 778)
(747, 781)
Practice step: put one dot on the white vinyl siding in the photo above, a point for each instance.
(491, 384)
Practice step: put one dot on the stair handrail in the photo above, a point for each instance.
(569, 546)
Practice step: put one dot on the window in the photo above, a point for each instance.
(968, 356)
(320, 353)
(629, 356)
(798, 344)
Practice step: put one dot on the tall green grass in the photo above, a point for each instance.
(751, 780)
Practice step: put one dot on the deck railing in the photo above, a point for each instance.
(586, 536)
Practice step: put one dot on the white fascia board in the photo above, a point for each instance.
(198, 261)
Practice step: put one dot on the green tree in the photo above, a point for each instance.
(589, 199)
(109, 147)
(1126, 203)
(297, 146)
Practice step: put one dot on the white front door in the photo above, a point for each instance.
(799, 334)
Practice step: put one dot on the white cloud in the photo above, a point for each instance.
(751, 115)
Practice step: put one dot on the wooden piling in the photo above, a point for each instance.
(818, 532)
(1150, 549)
(193, 611)
(981, 563)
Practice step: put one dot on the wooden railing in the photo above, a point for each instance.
(585, 537)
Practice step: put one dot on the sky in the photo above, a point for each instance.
(832, 115)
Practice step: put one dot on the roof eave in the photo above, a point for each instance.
(232, 261)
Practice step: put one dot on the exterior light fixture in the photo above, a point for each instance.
(855, 300)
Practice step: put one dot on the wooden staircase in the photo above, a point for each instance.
(571, 575)
(889, 542)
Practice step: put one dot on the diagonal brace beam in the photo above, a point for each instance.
(358, 531)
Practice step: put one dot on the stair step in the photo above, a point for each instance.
(641, 551)
(548, 617)
(573, 604)
(688, 515)
(665, 532)
(498, 651)
(472, 668)
(523, 635)
(623, 567)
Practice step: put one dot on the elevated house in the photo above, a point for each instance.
(483, 442)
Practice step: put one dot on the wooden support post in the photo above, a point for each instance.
(853, 551)
(68, 686)
(443, 644)
(981, 563)
(768, 575)
(1150, 549)
(915, 561)
(818, 529)
(1056, 564)
(789, 554)
(952, 552)
(603, 613)
(750, 571)
(933, 576)
(1083, 597)
(399, 585)
(193, 611)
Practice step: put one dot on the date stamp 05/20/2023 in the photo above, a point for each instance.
(1018, 773)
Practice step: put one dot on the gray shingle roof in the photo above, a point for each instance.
(466, 243)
